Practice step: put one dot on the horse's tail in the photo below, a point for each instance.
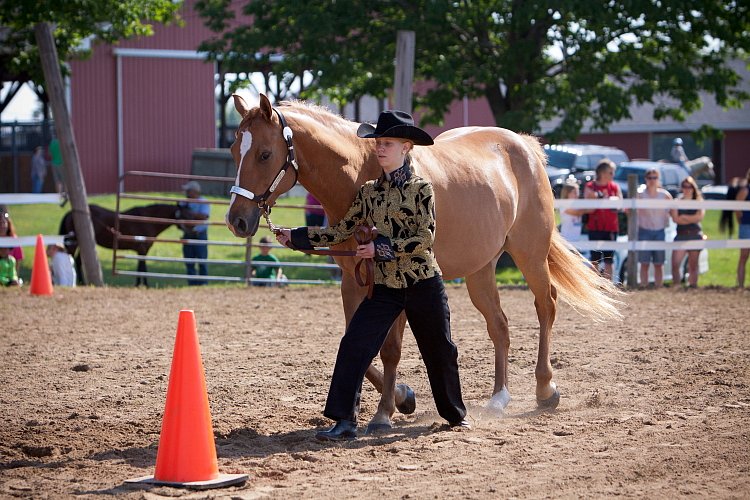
(580, 285)
(536, 148)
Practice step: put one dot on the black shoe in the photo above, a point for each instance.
(344, 430)
(462, 424)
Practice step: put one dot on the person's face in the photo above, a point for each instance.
(4, 225)
(390, 152)
(574, 193)
(687, 189)
(652, 179)
(192, 193)
(265, 249)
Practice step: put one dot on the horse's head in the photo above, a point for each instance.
(263, 153)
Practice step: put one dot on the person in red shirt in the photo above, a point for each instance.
(602, 223)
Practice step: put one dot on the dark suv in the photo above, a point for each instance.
(577, 160)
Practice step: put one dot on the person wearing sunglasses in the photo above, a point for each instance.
(688, 222)
(651, 226)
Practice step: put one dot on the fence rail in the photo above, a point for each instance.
(246, 263)
(28, 199)
(635, 204)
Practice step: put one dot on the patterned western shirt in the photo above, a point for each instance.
(402, 207)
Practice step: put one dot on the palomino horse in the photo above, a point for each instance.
(701, 167)
(492, 196)
(103, 221)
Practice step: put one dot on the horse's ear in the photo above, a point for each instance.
(240, 105)
(265, 107)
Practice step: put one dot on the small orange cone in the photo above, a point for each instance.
(187, 453)
(41, 281)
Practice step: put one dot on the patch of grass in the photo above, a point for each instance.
(45, 219)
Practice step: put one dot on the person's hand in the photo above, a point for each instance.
(366, 251)
(284, 236)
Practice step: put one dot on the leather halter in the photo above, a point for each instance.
(290, 162)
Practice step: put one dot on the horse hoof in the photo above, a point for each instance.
(551, 402)
(377, 429)
(499, 401)
(409, 404)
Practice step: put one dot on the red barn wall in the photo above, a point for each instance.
(168, 107)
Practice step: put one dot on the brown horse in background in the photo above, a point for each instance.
(104, 221)
(492, 196)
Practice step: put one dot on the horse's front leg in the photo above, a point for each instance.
(390, 354)
(141, 269)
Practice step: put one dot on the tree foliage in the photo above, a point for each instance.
(74, 22)
(532, 60)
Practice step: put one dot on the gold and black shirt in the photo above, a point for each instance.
(402, 207)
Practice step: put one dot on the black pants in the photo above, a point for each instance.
(426, 307)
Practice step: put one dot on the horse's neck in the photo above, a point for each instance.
(333, 163)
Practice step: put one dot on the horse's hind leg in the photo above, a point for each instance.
(485, 297)
(535, 269)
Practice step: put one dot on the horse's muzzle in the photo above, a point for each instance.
(243, 225)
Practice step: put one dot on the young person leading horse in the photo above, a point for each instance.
(492, 195)
(401, 206)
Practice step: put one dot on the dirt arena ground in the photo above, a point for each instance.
(657, 406)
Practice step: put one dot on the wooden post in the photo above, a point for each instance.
(75, 187)
(402, 83)
(633, 233)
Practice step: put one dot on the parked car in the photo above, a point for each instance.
(671, 174)
(715, 191)
(578, 161)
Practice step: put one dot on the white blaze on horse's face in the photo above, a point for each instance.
(245, 143)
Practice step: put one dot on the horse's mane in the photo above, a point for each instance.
(320, 115)
(315, 112)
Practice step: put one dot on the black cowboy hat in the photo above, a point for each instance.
(397, 124)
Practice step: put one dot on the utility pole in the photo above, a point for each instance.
(404, 79)
(76, 189)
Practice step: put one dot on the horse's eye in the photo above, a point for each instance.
(265, 155)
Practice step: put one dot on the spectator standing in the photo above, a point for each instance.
(56, 160)
(8, 273)
(677, 154)
(603, 224)
(571, 219)
(266, 271)
(62, 265)
(652, 223)
(743, 217)
(407, 277)
(9, 231)
(38, 170)
(314, 216)
(195, 210)
(688, 222)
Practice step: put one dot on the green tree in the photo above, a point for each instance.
(533, 61)
(73, 21)
(41, 35)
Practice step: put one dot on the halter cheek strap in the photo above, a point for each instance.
(286, 131)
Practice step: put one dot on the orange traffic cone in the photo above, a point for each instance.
(41, 281)
(187, 453)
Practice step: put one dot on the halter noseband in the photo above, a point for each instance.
(290, 161)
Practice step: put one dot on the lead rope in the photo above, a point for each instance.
(363, 235)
